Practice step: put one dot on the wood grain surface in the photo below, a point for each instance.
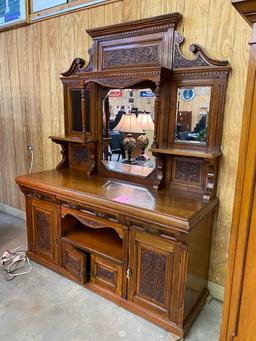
(31, 102)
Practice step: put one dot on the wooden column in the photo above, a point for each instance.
(239, 313)
(83, 107)
(156, 118)
(106, 139)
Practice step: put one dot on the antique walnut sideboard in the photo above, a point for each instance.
(139, 236)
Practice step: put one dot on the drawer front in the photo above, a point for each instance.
(74, 261)
(106, 274)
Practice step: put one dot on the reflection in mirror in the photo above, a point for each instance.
(128, 129)
(192, 111)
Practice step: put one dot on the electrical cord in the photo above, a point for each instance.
(15, 263)
(31, 160)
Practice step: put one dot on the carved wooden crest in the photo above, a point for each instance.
(201, 58)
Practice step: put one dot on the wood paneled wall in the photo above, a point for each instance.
(31, 103)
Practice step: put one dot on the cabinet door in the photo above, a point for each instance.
(74, 261)
(44, 230)
(150, 270)
(106, 274)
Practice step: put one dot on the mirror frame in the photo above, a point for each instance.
(197, 142)
(188, 82)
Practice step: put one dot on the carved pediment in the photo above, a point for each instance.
(201, 58)
(79, 64)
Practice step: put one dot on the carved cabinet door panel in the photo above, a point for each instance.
(150, 271)
(106, 274)
(74, 261)
(44, 230)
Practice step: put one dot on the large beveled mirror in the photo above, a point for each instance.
(128, 131)
(192, 114)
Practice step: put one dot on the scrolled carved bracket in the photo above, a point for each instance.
(89, 67)
(159, 173)
(201, 57)
(79, 65)
(64, 160)
(211, 180)
(92, 162)
(76, 66)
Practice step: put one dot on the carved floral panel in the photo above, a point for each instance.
(43, 237)
(131, 56)
(71, 263)
(80, 154)
(153, 275)
(188, 172)
(105, 274)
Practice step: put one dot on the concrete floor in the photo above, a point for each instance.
(43, 306)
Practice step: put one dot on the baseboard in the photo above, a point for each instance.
(12, 211)
(216, 291)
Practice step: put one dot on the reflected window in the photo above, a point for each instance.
(128, 127)
(192, 113)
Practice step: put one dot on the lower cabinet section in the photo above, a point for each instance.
(106, 274)
(139, 267)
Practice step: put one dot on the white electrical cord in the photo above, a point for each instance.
(31, 160)
(15, 263)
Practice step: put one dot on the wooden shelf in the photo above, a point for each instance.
(70, 139)
(186, 152)
(104, 242)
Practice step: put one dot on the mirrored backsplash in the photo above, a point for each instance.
(192, 114)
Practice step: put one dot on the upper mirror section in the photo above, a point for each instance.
(128, 130)
(192, 114)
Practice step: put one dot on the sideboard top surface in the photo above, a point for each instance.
(179, 209)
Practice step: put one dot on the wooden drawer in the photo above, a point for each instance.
(74, 262)
(106, 274)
